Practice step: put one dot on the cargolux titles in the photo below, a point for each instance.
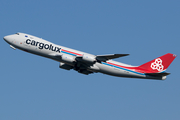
(43, 45)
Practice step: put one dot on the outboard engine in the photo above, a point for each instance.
(68, 59)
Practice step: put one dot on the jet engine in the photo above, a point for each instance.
(68, 59)
(89, 58)
(65, 66)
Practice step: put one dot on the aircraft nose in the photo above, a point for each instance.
(5, 38)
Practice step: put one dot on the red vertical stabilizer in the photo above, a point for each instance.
(159, 64)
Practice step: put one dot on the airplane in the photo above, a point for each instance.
(86, 63)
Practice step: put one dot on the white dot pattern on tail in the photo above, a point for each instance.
(157, 65)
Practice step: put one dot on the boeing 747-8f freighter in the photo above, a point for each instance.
(86, 63)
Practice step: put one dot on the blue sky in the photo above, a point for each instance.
(32, 87)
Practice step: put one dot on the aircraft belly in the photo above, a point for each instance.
(36, 51)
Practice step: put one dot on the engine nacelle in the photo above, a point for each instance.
(65, 66)
(89, 58)
(68, 59)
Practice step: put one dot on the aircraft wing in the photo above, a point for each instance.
(110, 56)
(82, 65)
(79, 66)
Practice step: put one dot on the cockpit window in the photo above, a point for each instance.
(17, 33)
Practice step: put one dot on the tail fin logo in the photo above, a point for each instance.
(157, 65)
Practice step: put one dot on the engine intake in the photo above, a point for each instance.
(65, 66)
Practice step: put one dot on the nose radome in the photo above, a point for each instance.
(5, 38)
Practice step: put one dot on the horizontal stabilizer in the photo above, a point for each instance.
(158, 74)
(110, 56)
